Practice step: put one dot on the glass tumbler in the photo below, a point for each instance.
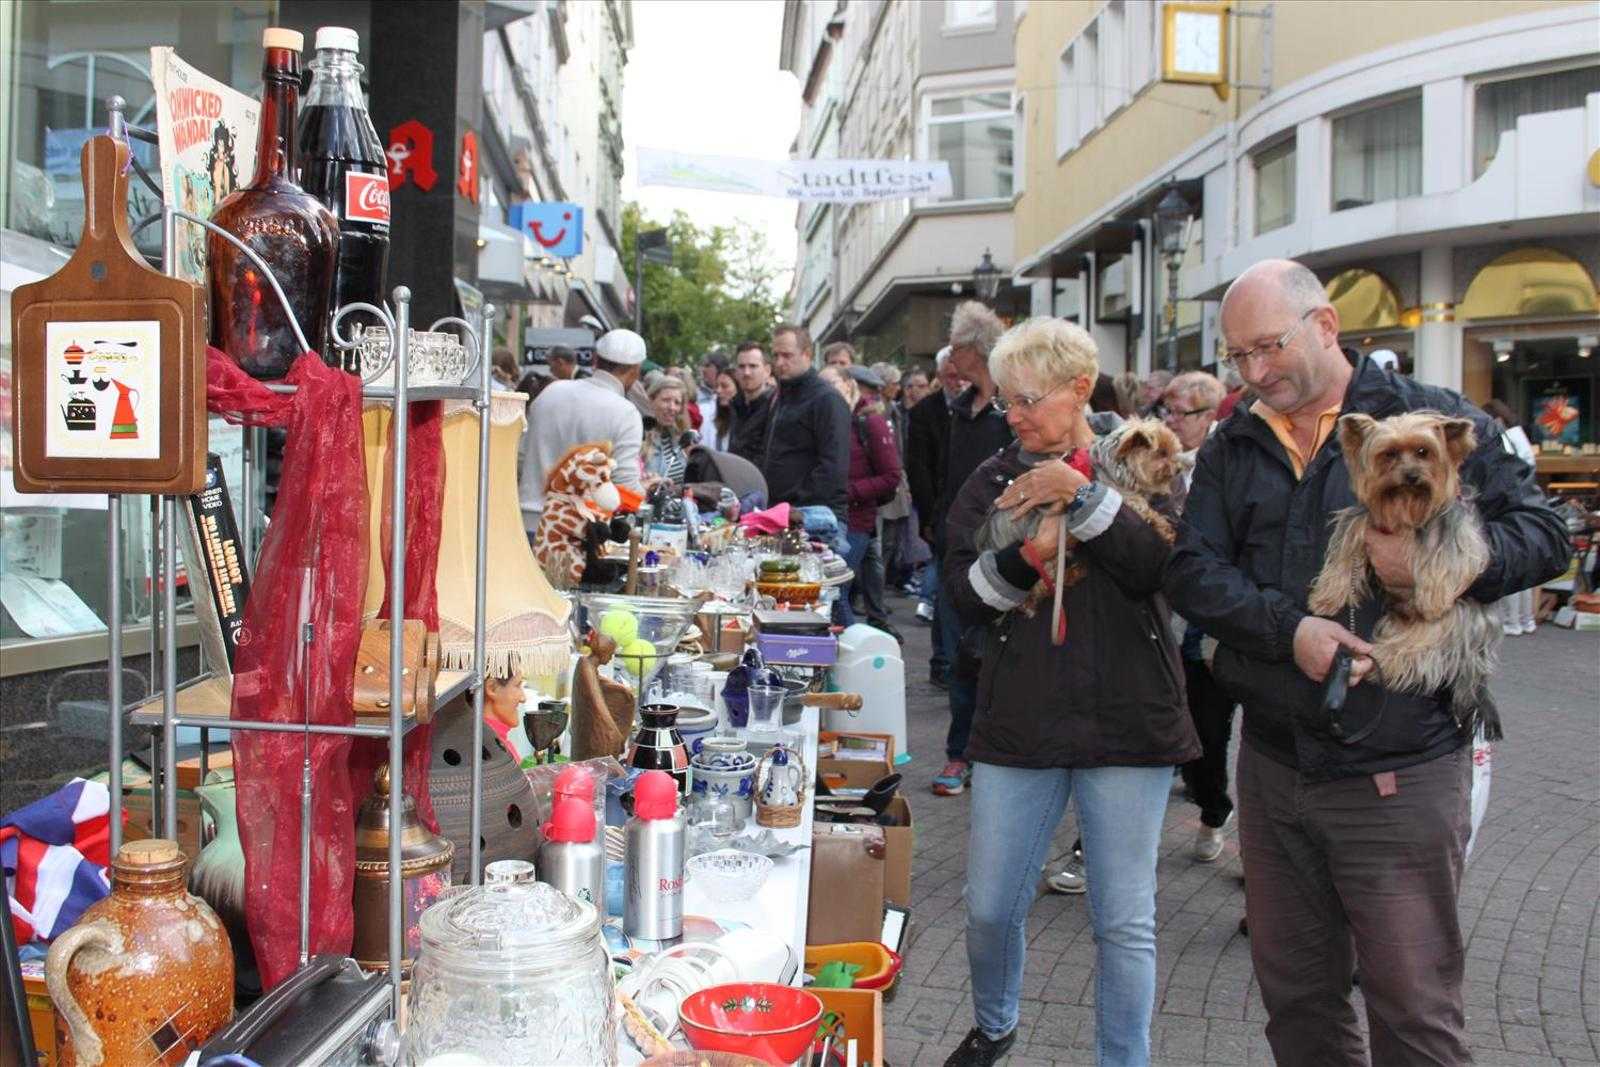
(766, 708)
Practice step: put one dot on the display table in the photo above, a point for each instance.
(780, 906)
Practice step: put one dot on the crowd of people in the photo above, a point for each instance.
(1177, 611)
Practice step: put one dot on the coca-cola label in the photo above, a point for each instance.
(366, 197)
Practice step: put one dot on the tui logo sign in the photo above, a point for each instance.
(556, 228)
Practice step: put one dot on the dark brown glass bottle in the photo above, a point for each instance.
(290, 229)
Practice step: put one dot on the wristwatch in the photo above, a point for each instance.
(1080, 498)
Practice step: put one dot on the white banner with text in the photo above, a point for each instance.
(832, 180)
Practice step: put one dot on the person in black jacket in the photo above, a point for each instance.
(1100, 720)
(1352, 844)
(927, 441)
(977, 431)
(806, 457)
(752, 404)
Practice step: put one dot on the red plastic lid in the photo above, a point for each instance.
(574, 781)
(655, 796)
(571, 820)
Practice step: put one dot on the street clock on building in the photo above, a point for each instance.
(1195, 44)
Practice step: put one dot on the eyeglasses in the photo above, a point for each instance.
(1025, 404)
(1240, 359)
(1174, 415)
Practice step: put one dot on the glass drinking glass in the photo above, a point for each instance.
(766, 708)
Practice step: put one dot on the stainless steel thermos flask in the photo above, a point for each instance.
(653, 860)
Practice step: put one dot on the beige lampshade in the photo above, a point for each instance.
(526, 619)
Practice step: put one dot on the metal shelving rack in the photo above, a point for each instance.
(400, 395)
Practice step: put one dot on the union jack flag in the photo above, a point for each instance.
(55, 853)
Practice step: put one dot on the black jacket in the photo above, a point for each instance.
(927, 440)
(1252, 541)
(748, 438)
(1113, 694)
(973, 438)
(806, 459)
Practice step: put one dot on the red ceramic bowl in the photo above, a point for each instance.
(774, 1022)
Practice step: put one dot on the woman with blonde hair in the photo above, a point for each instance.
(1098, 721)
(664, 454)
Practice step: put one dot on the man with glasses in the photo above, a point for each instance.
(1189, 408)
(1352, 845)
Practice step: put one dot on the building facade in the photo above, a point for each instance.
(552, 83)
(903, 80)
(1439, 172)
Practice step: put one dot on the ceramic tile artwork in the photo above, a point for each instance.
(103, 389)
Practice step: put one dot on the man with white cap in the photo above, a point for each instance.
(596, 408)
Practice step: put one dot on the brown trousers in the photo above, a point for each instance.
(1338, 876)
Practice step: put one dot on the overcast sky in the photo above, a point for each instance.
(704, 77)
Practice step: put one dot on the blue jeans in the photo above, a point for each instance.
(1015, 812)
(963, 675)
(928, 593)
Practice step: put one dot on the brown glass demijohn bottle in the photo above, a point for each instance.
(145, 976)
(290, 229)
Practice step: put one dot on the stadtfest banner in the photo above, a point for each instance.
(831, 180)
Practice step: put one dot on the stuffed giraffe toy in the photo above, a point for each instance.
(578, 493)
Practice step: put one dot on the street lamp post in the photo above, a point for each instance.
(651, 245)
(1172, 232)
(986, 279)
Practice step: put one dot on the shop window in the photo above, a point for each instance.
(1112, 292)
(975, 135)
(968, 14)
(59, 62)
(1377, 154)
(1275, 173)
(1497, 105)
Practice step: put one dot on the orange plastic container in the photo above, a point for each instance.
(860, 1013)
(880, 965)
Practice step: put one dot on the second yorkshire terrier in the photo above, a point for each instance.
(1405, 472)
(1141, 459)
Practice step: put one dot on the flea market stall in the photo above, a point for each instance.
(408, 812)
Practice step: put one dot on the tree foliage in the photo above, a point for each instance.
(720, 289)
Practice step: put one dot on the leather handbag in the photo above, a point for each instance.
(372, 671)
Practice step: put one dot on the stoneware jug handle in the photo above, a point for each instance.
(85, 1042)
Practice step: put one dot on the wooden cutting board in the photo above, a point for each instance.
(108, 360)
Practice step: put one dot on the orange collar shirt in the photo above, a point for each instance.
(1282, 429)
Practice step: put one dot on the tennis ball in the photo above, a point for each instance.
(639, 656)
(621, 625)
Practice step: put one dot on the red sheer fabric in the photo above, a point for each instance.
(311, 569)
(424, 507)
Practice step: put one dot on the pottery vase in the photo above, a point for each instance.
(658, 746)
(146, 975)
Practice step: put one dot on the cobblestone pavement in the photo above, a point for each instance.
(1530, 903)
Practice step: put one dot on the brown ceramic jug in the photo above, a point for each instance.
(145, 975)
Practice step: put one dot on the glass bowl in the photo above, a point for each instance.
(729, 875)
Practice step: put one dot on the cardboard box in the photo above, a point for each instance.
(861, 1013)
(899, 841)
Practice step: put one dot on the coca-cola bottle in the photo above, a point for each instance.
(342, 164)
(291, 230)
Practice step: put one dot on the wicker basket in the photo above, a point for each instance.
(789, 797)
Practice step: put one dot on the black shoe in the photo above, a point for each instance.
(980, 1051)
(938, 679)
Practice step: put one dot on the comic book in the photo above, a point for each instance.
(208, 142)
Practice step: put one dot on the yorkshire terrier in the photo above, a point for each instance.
(1140, 458)
(1405, 473)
